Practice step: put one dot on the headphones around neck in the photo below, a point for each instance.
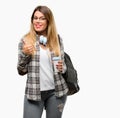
(43, 40)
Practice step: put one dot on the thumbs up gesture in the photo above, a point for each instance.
(28, 47)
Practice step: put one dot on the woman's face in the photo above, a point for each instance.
(39, 22)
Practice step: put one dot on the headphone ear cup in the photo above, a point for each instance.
(43, 40)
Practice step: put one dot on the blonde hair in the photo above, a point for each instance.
(51, 31)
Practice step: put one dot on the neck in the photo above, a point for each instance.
(44, 46)
(42, 33)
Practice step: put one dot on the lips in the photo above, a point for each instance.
(38, 26)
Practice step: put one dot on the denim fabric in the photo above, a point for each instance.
(53, 105)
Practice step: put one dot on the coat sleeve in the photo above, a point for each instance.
(62, 54)
(23, 60)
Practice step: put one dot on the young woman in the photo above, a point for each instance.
(45, 88)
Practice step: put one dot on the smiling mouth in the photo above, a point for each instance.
(38, 26)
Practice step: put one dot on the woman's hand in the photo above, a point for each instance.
(28, 48)
(59, 66)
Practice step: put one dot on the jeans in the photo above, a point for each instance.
(53, 105)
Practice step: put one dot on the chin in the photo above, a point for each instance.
(37, 28)
(41, 31)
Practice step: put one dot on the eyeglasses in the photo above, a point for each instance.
(40, 19)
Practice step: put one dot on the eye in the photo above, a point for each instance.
(40, 18)
(35, 18)
(43, 18)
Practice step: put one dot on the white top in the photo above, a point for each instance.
(46, 71)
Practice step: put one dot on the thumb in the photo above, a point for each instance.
(24, 42)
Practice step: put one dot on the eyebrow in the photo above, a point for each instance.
(39, 17)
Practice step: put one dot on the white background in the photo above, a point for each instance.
(91, 33)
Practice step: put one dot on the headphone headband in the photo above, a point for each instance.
(43, 40)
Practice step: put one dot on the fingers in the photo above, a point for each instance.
(59, 66)
(28, 48)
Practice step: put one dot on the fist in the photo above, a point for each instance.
(28, 48)
(59, 66)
